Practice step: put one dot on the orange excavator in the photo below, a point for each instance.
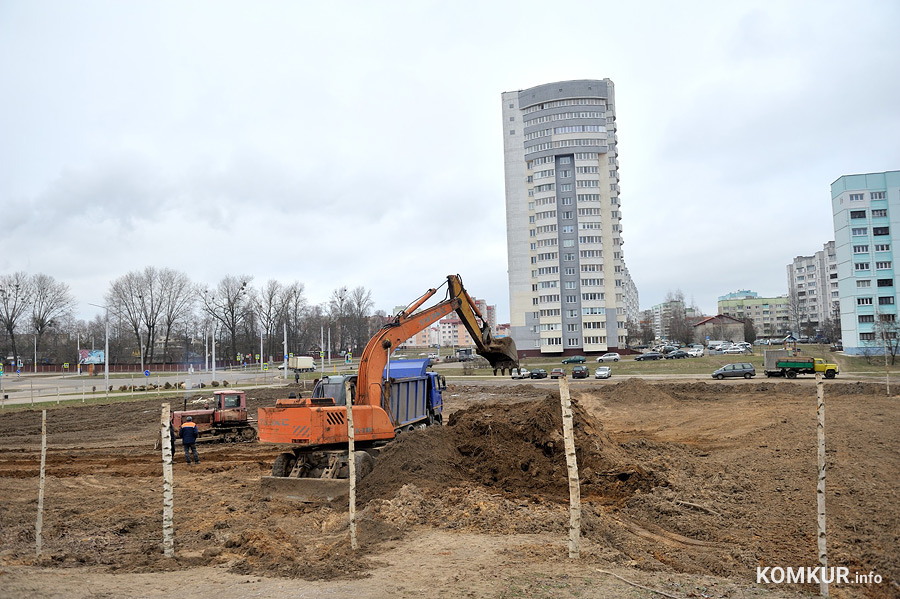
(313, 430)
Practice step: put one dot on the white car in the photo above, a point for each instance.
(695, 352)
(609, 357)
(734, 350)
(521, 373)
(603, 372)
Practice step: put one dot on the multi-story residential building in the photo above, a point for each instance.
(569, 289)
(813, 290)
(660, 316)
(866, 212)
(770, 315)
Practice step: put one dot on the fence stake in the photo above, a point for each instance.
(572, 465)
(351, 465)
(40, 514)
(820, 485)
(168, 490)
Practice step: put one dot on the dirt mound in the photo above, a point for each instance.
(516, 450)
(634, 391)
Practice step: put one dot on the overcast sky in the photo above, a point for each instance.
(360, 143)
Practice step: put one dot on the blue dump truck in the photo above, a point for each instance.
(416, 399)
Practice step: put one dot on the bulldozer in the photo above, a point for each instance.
(222, 417)
(312, 432)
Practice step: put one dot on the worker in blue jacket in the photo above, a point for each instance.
(189, 436)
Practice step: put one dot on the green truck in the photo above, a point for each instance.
(779, 362)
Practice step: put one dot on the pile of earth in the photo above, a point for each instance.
(516, 450)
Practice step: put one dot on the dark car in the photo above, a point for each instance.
(580, 372)
(538, 373)
(678, 353)
(650, 355)
(557, 372)
(573, 360)
(744, 369)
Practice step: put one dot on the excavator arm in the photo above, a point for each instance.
(500, 353)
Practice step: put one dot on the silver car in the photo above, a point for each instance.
(603, 372)
(609, 357)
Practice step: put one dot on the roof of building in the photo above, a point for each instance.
(718, 318)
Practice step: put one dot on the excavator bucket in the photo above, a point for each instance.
(501, 354)
(314, 477)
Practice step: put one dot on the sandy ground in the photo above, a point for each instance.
(687, 488)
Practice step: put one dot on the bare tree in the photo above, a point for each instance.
(51, 302)
(176, 304)
(227, 305)
(270, 307)
(360, 310)
(15, 300)
(633, 330)
(137, 298)
(338, 311)
(887, 339)
(677, 326)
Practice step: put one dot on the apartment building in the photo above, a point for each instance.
(569, 288)
(813, 290)
(865, 208)
(770, 315)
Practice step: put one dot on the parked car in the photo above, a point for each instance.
(734, 349)
(668, 348)
(521, 373)
(650, 355)
(573, 360)
(678, 353)
(603, 372)
(580, 372)
(695, 352)
(744, 369)
(538, 373)
(609, 357)
(557, 372)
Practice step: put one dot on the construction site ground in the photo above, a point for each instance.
(687, 488)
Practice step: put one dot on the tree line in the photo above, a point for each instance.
(161, 315)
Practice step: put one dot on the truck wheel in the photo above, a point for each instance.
(283, 464)
(791, 374)
(830, 374)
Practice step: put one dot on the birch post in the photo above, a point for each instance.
(820, 487)
(168, 487)
(572, 464)
(351, 465)
(40, 515)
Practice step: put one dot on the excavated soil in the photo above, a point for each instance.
(692, 480)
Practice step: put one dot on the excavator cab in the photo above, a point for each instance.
(334, 387)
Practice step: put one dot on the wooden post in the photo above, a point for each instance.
(168, 489)
(351, 465)
(40, 514)
(820, 486)
(572, 464)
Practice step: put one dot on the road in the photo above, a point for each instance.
(35, 388)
